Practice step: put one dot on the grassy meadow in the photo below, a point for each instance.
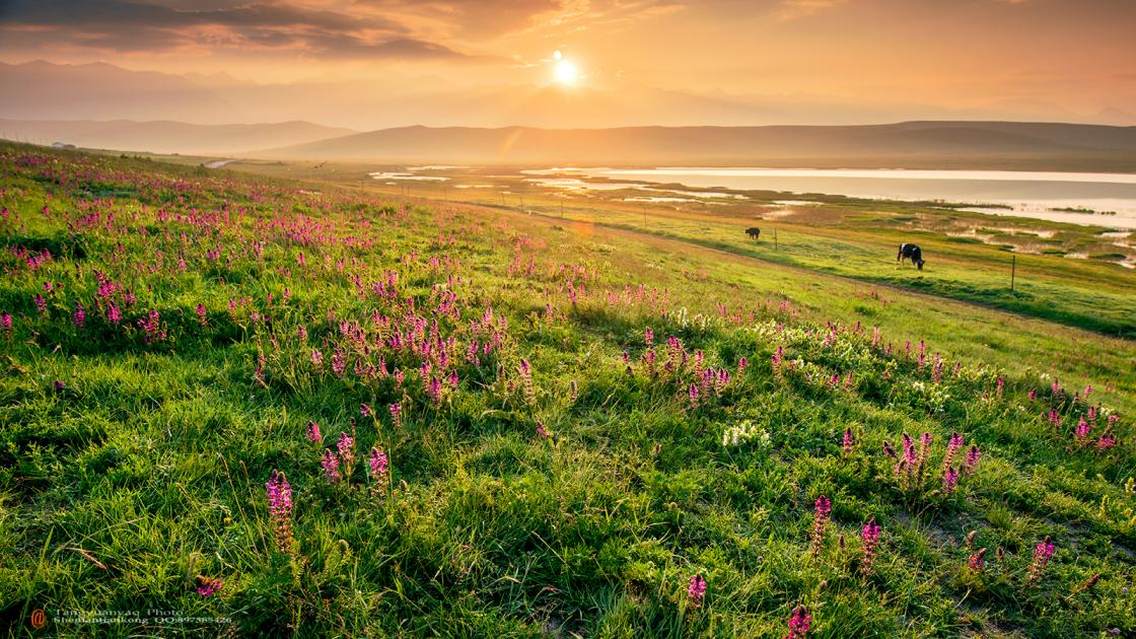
(287, 407)
(1064, 273)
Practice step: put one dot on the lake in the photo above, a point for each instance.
(1029, 194)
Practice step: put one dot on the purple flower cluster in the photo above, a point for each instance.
(800, 621)
(696, 590)
(313, 433)
(870, 535)
(208, 586)
(823, 510)
(279, 495)
(1042, 553)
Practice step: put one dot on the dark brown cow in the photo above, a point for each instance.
(753, 232)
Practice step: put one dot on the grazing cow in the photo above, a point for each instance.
(753, 232)
(910, 252)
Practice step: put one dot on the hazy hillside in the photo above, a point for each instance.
(972, 144)
(166, 136)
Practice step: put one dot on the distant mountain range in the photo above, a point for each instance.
(946, 144)
(165, 136)
(41, 90)
(1036, 146)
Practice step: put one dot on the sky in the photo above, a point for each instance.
(373, 63)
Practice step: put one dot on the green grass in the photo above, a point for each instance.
(1096, 296)
(147, 468)
(969, 254)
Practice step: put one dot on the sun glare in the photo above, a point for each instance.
(565, 73)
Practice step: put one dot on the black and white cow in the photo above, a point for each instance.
(753, 232)
(910, 252)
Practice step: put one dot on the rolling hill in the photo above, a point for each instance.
(166, 136)
(908, 144)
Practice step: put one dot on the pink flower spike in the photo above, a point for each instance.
(823, 509)
(1042, 553)
(330, 463)
(870, 535)
(972, 457)
(313, 433)
(378, 463)
(279, 494)
(977, 561)
(208, 586)
(696, 590)
(800, 621)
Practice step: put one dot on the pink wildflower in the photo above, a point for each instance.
(696, 590)
(208, 586)
(924, 452)
(1082, 430)
(950, 479)
(823, 509)
(313, 433)
(378, 463)
(776, 359)
(800, 621)
(330, 463)
(1042, 553)
(972, 457)
(279, 494)
(977, 561)
(434, 390)
(1106, 441)
(525, 370)
(953, 445)
(346, 448)
(870, 535)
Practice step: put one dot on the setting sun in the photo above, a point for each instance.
(565, 73)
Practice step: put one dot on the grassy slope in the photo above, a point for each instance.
(152, 459)
(1100, 297)
(848, 237)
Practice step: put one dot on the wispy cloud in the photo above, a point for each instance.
(126, 26)
(478, 18)
(792, 9)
